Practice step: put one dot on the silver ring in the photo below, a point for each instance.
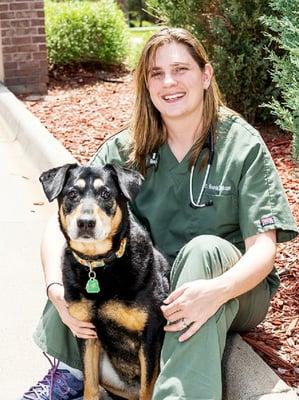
(184, 323)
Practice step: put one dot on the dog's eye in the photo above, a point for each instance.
(105, 194)
(72, 195)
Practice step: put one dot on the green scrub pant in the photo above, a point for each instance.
(192, 369)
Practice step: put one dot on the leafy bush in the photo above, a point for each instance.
(284, 30)
(231, 32)
(83, 31)
(138, 38)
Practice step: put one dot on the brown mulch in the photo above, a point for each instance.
(85, 106)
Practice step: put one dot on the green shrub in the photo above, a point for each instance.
(231, 32)
(84, 31)
(284, 31)
(138, 38)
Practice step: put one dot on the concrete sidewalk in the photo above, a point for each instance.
(26, 149)
(21, 283)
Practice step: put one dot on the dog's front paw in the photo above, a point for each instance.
(91, 394)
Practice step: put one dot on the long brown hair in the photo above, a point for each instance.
(147, 129)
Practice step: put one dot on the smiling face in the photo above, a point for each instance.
(176, 83)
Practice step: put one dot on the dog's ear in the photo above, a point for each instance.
(128, 180)
(53, 180)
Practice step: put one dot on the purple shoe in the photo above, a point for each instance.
(58, 384)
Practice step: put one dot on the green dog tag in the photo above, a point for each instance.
(93, 286)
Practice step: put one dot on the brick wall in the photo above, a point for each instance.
(23, 42)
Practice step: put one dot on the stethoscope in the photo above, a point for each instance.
(153, 161)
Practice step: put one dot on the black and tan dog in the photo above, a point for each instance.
(113, 277)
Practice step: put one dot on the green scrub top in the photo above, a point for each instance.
(243, 185)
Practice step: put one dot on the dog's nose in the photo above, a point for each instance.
(86, 223)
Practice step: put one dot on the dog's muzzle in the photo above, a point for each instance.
(86, 227)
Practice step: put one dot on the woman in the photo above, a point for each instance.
(214, 205)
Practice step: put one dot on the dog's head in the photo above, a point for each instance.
(91, 202)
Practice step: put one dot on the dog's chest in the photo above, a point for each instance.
(120, 326)
(132, 318)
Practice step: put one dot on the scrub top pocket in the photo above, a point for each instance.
(221, 218)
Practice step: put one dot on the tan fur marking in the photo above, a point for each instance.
(97, 247)
(116, 221)
(143, 387)
(132, 318)
(91, 369)
(62, 218)
(81, 310)
(146, 388)
(153, 380)
(97, 183)
(80, 183)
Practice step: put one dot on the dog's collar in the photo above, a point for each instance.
(103, 261)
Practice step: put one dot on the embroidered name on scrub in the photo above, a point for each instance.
(218, 188)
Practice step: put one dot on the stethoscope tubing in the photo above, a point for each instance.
(198, 204)
(153, 161)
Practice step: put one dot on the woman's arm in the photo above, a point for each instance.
(252, 268)
(197, 301)
(52, 247)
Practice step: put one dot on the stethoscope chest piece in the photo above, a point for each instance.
(206, 204)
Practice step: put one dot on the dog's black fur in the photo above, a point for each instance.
(126, 312)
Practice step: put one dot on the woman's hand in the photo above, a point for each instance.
(80, 329)
(191, 305)
(195, 302)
